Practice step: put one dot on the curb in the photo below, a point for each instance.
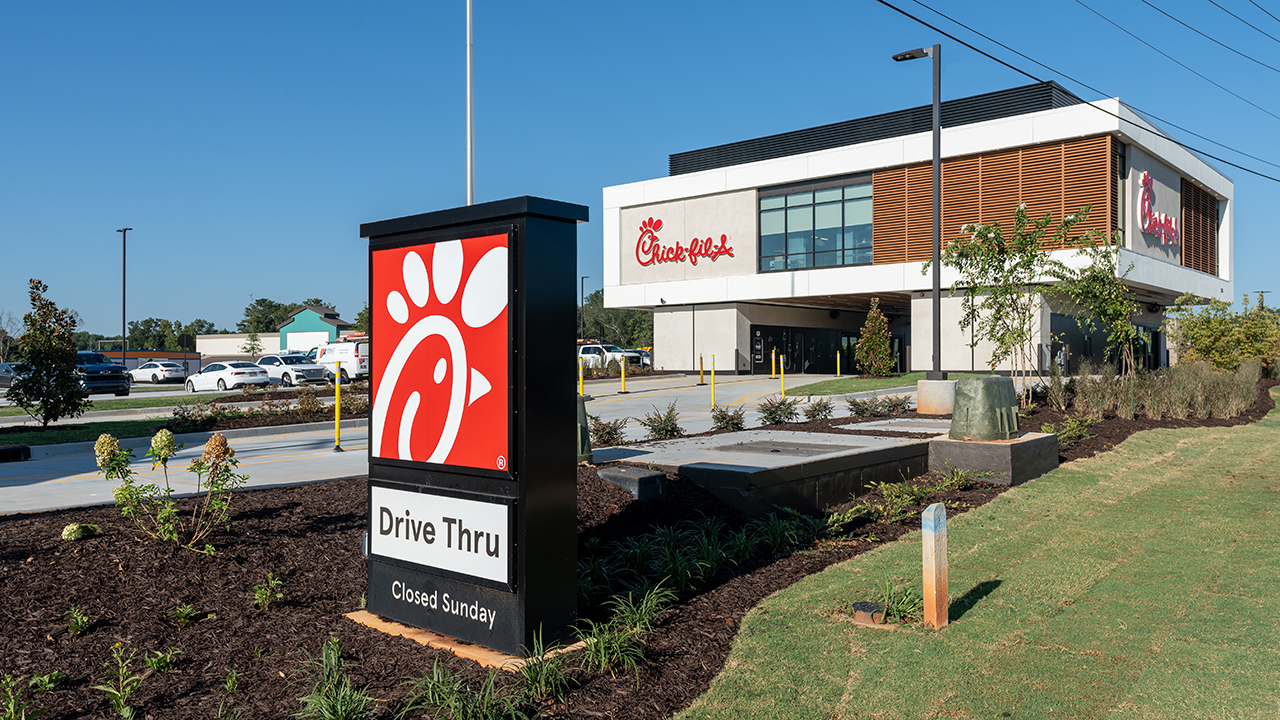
(40, 452)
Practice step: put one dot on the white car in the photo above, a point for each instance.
(157, 372)
(225, 375)
(601, 354)
(290, 369)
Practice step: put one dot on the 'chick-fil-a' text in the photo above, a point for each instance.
(649, 250)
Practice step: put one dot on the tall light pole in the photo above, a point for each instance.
(935, 52)
(124, 239)
(582, 331)
(471, 119)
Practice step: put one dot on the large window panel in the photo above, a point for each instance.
(799, 231)
(824, 227)
(827, 228)
(773, 232)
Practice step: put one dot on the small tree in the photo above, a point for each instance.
(252, 345)
(874, 351)
(50, 389)
(1211, 331)
(1100, 296)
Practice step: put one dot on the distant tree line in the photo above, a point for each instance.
(625, 328)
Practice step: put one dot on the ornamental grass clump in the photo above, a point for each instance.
(155, 510)
(333, 696)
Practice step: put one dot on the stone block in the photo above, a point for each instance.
(642, 484)
(1013, 461)
(986, 408)
(935, 397)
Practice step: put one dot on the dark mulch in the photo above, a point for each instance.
(276, 393)
(309, 536)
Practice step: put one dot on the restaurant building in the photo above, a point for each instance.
(780, 243)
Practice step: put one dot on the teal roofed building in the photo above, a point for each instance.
(309, 326)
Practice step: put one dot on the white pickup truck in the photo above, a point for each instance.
(599, 355)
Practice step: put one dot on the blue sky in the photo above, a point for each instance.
(246, 142)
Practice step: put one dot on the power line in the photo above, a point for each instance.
(1099, 109)
(1180, 64)
(1273, 17)
(1246, 57)
(1246, 22)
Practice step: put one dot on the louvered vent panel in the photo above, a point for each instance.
(1001, 187)
(1088, 179)
(919, 213)
(889, 216)
(961, 196)
(1199, 229)
(1042, 182)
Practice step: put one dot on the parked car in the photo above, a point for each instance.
(354, 357)
(293, 368)
(600, 354)
(157, 372)
(646, 358)
(227, 375)
(100, 375)
(10, 372)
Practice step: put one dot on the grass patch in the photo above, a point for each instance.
(1135, 584)
(132, 403)
(82, 432)
(841, 386)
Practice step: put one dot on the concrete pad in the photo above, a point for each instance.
(754, 470)
(912, 425)
(642, 484)
(1013, 461)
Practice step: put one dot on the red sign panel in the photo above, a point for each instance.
(440, 375)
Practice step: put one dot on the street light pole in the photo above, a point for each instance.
(935, 53)
(582, 330)
(471, 117)
(124, 239)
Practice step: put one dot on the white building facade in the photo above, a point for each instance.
(779, 244)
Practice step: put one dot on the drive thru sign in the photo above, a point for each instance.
(472, 486)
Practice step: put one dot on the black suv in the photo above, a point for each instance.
(100, 375)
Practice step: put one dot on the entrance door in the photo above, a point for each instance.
(796, 364)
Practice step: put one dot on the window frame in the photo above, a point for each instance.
(811, 255)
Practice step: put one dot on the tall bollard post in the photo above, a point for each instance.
(933, 525)
(337, 409)
(580, 393)
(701, 382)
(782, 373)
(838, 354)
(773, 363)
(713, 382)
(623, 365)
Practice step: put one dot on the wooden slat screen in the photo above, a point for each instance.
(1199, 229)
(1058, 178)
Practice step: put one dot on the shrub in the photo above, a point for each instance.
(1073, 430)
(874, 352)
(607, 433)
(307, 403)
(79, 531)
(51, 389)
(723, 418)
(663, 424)
(956, 479)
(776, 410)
(1056, 389)
(332, 695)
(1216, 334)
(819, 409)
(878, 405)
(155, 511)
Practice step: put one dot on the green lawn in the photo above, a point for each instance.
(79, 432)
(129, 403)
(840, 386)
(1141, 583)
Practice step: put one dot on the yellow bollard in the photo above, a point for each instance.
(623, 365)
(700, 380)
(337, 409)
(580, 376)
(713, 381)
(837, 363)
(773, 363)
(782, 373)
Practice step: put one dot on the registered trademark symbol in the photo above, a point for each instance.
(502, 463)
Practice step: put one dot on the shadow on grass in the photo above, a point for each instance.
(967, 601)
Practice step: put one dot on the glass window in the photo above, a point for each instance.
(827, 227)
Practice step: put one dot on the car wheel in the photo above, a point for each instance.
(345, 379)
(191, 387)
(285, 380)
(222, 385)
(155, 380)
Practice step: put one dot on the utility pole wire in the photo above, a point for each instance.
(1206, 37)
(1246, 22)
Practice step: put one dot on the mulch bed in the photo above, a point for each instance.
(309, 536)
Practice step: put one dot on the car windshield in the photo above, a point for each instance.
(242, 365)
(92, 359)
(612, 348)
(295, 360)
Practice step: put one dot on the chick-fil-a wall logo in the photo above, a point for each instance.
(1159, 224)
(649, 250)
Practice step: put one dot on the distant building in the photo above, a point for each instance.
(780, 243)
(309, 326)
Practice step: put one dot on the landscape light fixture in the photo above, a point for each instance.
(934, 52)
(124, 238)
